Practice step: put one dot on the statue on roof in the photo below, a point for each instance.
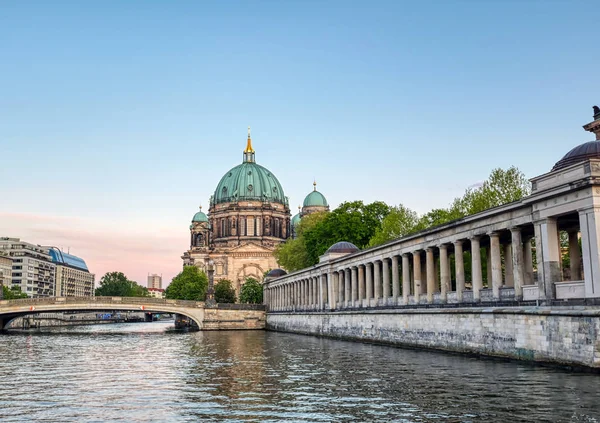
(596, 112)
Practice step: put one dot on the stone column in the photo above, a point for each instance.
(477, 281)
(309, 292)
(527, 261)
(377, 281)
(315, 290)
(341, 290)
(332, 286)
(369, 272)
(459, 268)
(547, 251)
(324, 292)
(496, 264)
(508, 266)
(417, 275)
(361, 284)
(589, 222)
(331, 290)
(395, 280)
(354, 273)
(385, 270)
(347, 288)
(488, 257)
(444, 274)
(405, 278)
(430, 265)
(517, 262)
(574, 256)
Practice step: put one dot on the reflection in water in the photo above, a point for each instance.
(143, 373)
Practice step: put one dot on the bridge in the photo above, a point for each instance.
(222, 316)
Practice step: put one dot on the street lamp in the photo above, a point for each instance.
(210, 292)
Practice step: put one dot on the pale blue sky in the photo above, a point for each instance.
(117, 119)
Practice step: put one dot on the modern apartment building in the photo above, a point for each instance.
(155, 281)
(32, 269)
(73, 279)
(5, 272)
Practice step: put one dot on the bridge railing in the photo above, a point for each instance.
(101, 300)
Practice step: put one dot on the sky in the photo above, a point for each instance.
(118, 119)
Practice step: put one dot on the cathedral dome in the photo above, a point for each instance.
(315, 198)
(200, 217)
(295, 219)
(249, 181)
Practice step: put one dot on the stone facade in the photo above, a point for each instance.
(248, 217)
(553, 335)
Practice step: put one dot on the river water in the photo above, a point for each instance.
(148, 373)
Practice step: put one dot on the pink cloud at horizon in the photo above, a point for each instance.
(135, 251)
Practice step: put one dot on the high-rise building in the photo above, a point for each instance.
(32, 269)
(5, 272)
(155, 281)
(73, 279)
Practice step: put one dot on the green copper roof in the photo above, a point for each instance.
(249, 181)
(200, 217)
(315, 198)
(296, 219)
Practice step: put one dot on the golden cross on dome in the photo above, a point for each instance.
(249, 148)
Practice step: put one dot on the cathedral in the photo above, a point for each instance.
(248, 216)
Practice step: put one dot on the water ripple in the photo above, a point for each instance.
(146, 373)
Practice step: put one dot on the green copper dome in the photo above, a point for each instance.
(249, 181)
(295, 219)
(315, 198)
(200, 217)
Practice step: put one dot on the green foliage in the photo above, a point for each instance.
(501, 187)
(224, 292)
(251, 292)
(116, 284)
(399, 222)
(293, 254)
(353, 221)
(189, 284)
(12, 293)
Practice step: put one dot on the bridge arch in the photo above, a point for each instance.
(11, 309)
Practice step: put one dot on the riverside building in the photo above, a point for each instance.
(73, 278)
(155, 281)
(32, 269)
(248, 217)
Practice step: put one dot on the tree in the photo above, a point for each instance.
(399, 222)
(353, 221)
(251, 292)
(224, 292)
(189, 284)
(116, 284)
(293, 254)
(12, 293)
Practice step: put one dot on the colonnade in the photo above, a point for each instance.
(435, 273)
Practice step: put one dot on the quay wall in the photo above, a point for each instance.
(541, 334)
(232, 319)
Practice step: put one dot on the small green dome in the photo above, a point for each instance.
(315, 198)
(200, 217)
(249, 181)
(295, 219)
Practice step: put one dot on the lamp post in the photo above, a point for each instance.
(210, 292)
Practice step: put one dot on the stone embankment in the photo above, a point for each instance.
(560, 335)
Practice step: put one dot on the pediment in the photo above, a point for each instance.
(250, 247)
